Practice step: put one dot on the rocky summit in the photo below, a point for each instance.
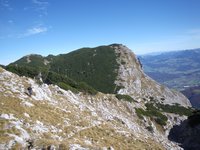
(135, 82)
(68, 111)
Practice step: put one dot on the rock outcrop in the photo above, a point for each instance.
(187, 133)
(133, 81)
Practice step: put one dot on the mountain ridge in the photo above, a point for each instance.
(53, 117)
(70, 113)
(105, 68)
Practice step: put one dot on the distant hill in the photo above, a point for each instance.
(178, 70)
(193, 93)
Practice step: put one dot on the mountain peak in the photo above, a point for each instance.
(109, 69)
(133, 81)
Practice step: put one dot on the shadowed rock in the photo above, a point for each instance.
(187, 134)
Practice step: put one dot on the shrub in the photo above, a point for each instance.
(153, 113)
(69, 84)
(151, 98)
(157, 116)
(149, 128)
(23, 71)
(67, 87)
(153, 110)
(83, 87)
(162, 98)
(140, 112)
(52, 78)
(161, 120)
(176, 109)
(125, 98)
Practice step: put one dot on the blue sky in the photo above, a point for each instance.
(60, 26)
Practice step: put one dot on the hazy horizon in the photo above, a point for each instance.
(154, 52)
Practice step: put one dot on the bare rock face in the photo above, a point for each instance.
(133, 81)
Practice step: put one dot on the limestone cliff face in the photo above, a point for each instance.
(133, 81)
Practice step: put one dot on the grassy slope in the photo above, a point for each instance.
(45, 112)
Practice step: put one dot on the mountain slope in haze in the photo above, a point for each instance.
(193, 94)
(109, 69)
(178, 70)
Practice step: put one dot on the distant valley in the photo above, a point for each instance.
(178, 70)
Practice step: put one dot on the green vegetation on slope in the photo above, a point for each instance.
(155, 111)
(35, 61)
(125, 98)
(52, 78)
(176, 109)
(69, 84)
(23, 70)
(29, 66)
(96, 67)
